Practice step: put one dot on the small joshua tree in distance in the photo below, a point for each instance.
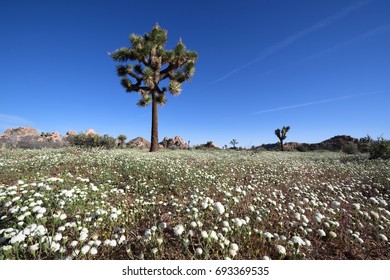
(122, 139)
(281, 134)
(234, 142)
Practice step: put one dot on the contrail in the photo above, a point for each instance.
(316, 102)
(292, 38)
(373, 32)
(12, 119)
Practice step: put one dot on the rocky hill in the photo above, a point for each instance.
(333, 144)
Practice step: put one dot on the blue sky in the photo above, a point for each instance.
(322, 67)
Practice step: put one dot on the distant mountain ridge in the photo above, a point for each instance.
(332, 144)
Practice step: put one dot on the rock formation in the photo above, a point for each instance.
(90, 132)
(21, 131)
(175, 142)
(139, 142)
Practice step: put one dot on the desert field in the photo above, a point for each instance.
(72, 203)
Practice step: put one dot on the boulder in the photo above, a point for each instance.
(90, 132)
(208, 145)
(71, 133)
(21, 131)
(175, 142)
(139, 142)
(51, 137)
(291, 146)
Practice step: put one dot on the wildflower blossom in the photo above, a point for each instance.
(321, 233)
(54, 246)
(219, 208)
(85, 249)
(57, 237)
(20, 237)
(33, 247)
(281, 250)
(93, 251)
(178, 230)
(83, 236)
(382, 237)
(298, 241)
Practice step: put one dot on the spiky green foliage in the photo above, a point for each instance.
(153, 64)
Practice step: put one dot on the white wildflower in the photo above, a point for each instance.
(193, 224)
(148, 234)
(219, 208)
(321, 233)
(54, 246)
(204, 234)
(374, 215)
(163, 225)
(85, 249)
(281, 250)
(83, 236)
(178, 230)
(356, 206)
(335, 204)
(57, 237)
(213, 235)
(268, 235)
(373, 200)
(199, 251)
(93, 251)
(382, 237)
(34, 247)
(20, 237)
(233, 246)
(298, 241)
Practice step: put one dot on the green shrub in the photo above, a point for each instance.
(107, 142)
(302, 148)
(350, 148)
(365, 144)
(94, 140)
(380, 149)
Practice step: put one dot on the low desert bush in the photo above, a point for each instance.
(380, 149)
(94, 140)
(350, 148)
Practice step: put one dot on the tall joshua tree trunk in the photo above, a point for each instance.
(154, 137)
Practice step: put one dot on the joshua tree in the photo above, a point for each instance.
(122, 139)
(234, 142)
(281, 134)
(154, 64)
